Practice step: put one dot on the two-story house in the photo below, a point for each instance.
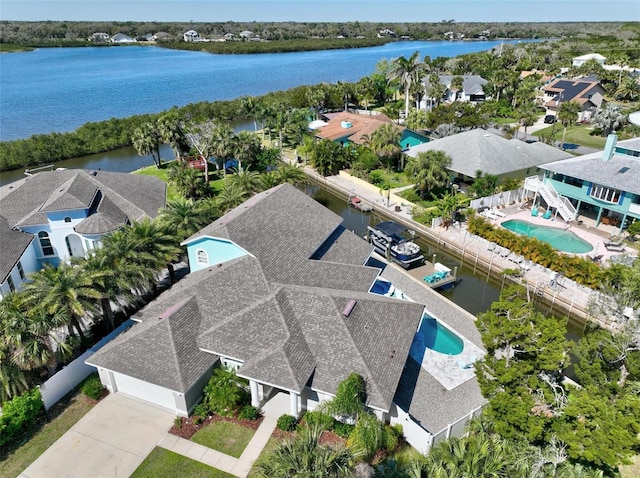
(587, 92)
(56, 215)
(472, 89)
(603, 186)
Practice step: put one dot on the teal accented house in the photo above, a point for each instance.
(205, 251)
(604, 187)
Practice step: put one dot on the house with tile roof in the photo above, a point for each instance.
(280, 291)
(346, 127)
(604, 186)
(588, 92)
(481, 150)
(66, 213)
(472, 88)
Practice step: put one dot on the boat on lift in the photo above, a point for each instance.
(396, 243)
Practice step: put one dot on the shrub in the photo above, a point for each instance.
(319, 419)
(177, 422)
(287, 423)
(249, 412)
(224, 392)
(342, 429)
(371, 435)
(92, 387)
(19, 415)
(376, 177)
(200, 410)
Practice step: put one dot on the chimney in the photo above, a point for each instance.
(609, 147)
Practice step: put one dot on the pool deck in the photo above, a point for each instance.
(564, 296)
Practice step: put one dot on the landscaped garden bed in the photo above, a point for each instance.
(187, 427)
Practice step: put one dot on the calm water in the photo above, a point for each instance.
(565, 241)
(59, 89)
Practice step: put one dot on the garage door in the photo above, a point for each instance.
(145, 391)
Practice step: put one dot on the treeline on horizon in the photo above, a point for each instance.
(57, 33)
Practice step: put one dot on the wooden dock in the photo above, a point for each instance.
(428, 269)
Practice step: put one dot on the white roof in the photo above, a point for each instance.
(590, 56)
(315, 124)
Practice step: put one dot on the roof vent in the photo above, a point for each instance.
(349, 307)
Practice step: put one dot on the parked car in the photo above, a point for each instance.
(550, 119)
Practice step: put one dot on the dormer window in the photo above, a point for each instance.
(202, 258)
(67, 219)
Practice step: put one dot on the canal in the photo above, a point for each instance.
(475, 291)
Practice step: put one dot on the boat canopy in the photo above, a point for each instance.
(393, 230)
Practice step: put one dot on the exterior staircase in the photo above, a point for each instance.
(551, 197)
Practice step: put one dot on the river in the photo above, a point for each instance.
(59, 89)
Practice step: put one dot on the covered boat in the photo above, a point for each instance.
(396, 243)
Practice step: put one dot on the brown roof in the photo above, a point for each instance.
(360, 125)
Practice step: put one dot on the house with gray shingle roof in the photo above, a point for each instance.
(481, 150)
(279, 291)
(472, 88)
(68, 212)
(604, 186)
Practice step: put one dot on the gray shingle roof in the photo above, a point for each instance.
(471, 84)
(430, 403)
(479, 149)
(13, 244)
(135, 195)
(107, 218)
(621, 172)
(162, 351)
(279, 311)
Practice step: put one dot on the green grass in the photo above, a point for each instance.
(63, 416)
(164, 463)
(577, 134)
(225, 437)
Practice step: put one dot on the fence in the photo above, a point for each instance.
(75, 372)
(501, 199)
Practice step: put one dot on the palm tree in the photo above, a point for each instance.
(406, 71)
(13, 379)
(567, 114)
(186, 217)
(527, 115)
(436, 90)
(269, 180)
(230, 196)
(429, 169)
(456, 86)
(246, 180)
(289, 173)
(628, 90)
(146, 140)
(385, 142)
(304, 456)
(327, 157)
(250, 106)
(222, 144)
(67, 291)
(172, 132)
(156, 243)
(246, 147)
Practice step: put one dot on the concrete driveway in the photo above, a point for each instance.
(109, 441)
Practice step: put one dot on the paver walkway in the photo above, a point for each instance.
(239, 467)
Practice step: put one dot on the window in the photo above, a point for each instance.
(67, 219)
(45, 244)
(88, 244)
(605, 194)
(202, 258)
(21, 270)
(12, 286)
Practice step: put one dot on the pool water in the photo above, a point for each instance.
(565, 241)
(433, 335)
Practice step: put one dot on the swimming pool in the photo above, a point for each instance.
(565, 241)
(433, 335)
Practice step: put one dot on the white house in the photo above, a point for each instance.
(282, 292)
(581, 60)
(56, 215)
(472, 88)
(191, 35)
(122, 38)
(99, 37)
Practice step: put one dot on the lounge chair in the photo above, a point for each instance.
(596, 258)
(614, 247)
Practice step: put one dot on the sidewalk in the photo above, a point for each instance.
(239, 467)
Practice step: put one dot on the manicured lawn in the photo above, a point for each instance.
(396, 180)
(172, 194)
(163, 463)
(575, 135)
(225, 437)
(64, 416)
